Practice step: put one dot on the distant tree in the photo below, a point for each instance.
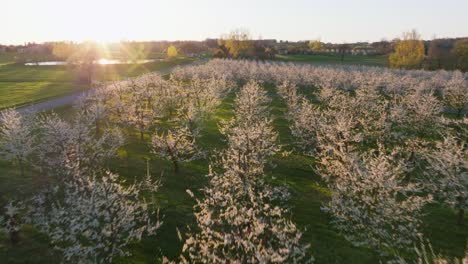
(382, 47)
(34, 53)
(63, 50)
(439, 52)
(342, 50)
(461, 51)
(219, 53)
(270, 52)
(315, 45)
(211, 43)
(409, 51)
(238, 43)
(262, 51)
(84, 58)
(192, 47)
(81, 56)
(172, 51)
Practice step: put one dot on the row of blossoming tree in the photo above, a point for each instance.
(386, 142)
(89, 213)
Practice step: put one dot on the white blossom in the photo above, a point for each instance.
(94, 217)
(448, 174)
(176, 145)
(456, 93)
(371, 206)
(17, 137)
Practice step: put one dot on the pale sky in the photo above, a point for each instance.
(330, 20)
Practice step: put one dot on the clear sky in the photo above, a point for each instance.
(330, 20)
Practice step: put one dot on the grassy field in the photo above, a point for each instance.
(7, 58)
(335, 59)
(22, 85)
(308, 194)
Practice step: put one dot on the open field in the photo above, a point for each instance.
(335, 59)
(21, 85)
(7, 58)
(309, 192)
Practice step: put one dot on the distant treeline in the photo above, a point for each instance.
(130, 50)
(449, 53)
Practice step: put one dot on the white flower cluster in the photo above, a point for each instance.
(61, 142)
(11, 221)
(447, 177)
(17, 138)
(452, 86)
(177, 145)
(95, 218)
(369, 203)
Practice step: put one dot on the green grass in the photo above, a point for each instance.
(7, 58)
(21, 85)
(295, 170)
(335, 59)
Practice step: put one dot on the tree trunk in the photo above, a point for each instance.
(20, 163)
(410, 160)
(407, 177)
(90, 73)
(128, 161)
(461, 216)
(98, 130)
(142, 135)
(14, 237)
(176, 166)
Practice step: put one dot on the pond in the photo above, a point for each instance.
(101, 62)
